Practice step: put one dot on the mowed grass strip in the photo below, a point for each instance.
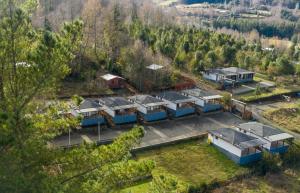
(194, 162)
(143, 187)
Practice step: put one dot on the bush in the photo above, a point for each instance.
(168, 183)
(292, 157)
(198, 189)
(270, 163)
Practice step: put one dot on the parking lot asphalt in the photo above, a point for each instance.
(155, 133)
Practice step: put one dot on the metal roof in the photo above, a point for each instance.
(196, 92)
(113, 102)
(146, 100)
(260, 129)
(110, 77)
(88, 104)
(155, 67)
(236, 70)
(229, 71)
(264, 131)
(174, 97)
(236, 138)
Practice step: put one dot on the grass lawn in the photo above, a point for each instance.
(251, 96)
(287, 116)
(271, 183)
(193, 162)
(143, 187)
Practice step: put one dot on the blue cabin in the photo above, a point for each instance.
(275, 139)
(177, 104)
(91, 111)
(149, 107)
(205, 100)
(229, 76)
(239, 147)
(119, 110)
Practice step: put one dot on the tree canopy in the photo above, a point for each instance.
(33, 62)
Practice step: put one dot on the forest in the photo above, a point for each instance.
(133, 40)
(45, 45)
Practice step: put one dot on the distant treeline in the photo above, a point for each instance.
(282, 30)
(203, 1)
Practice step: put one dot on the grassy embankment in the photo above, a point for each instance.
(69, 89)
(193, 162)
(286, 116)
(283, 182)
(284, 85)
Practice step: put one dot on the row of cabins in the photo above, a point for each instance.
(120, 110)
(245, 143)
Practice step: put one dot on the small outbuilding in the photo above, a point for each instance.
(239, 147)
(177, 104)
(91, 111)
(113, 81)
(149, 107)
(229, 76)
(205, 100)
(119, 110)
(275, 139)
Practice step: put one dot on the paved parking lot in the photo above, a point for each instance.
(159, 132)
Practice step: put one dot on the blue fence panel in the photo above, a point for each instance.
(245, 80)
(92, 121)
(211, 107)
(122, 119)
(182, 111)
(281, 149)
(155, 116)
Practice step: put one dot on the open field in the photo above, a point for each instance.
(143, 187)
(193, 162)
(69, 89)
(264, 94)
(287, 115)
(197, 162)
(286, 182)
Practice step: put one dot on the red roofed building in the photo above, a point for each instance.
(113, 81)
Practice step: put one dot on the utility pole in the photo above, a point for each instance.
(99, 132)
(69, 137)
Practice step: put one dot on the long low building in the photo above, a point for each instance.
(177, 104)
(119, 109)
(229, 76)
(205, 100)
(239, 147)
(91, 112)
(149, 107)
(275, 139)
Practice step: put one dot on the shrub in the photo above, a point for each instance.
(292, 157)
(168, 183)
(269, 163)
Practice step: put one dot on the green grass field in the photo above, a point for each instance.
(288, 116)
(143, 187)
(193, 162)
(288, 181)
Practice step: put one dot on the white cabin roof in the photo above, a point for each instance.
(155, 67)
(282, 136)
(110, 77)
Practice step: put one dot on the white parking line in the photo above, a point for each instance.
(161, 134)
(86, 139)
